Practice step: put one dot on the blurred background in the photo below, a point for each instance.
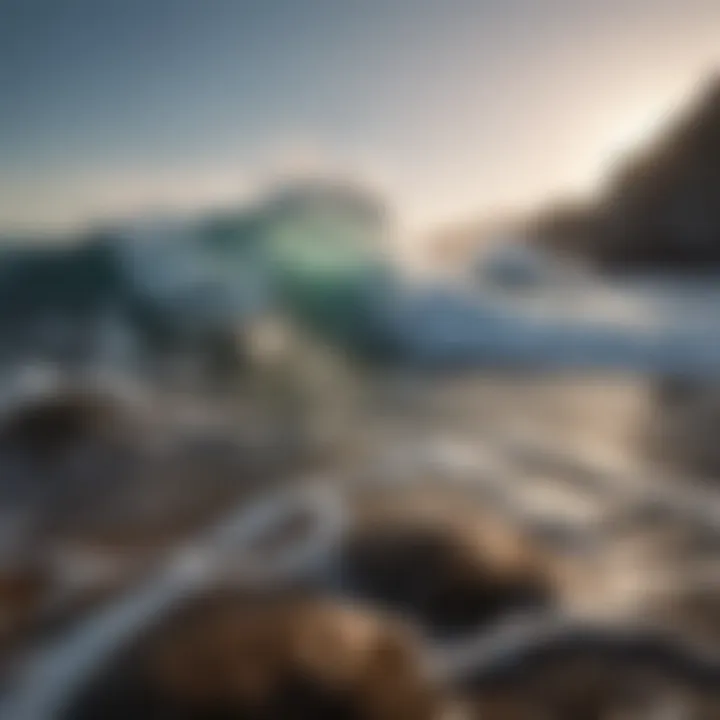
(452, 268)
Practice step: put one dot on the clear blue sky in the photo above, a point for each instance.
(456, 107)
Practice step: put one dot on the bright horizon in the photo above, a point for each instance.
(452, 109)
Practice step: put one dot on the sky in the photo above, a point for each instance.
(452, 108)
